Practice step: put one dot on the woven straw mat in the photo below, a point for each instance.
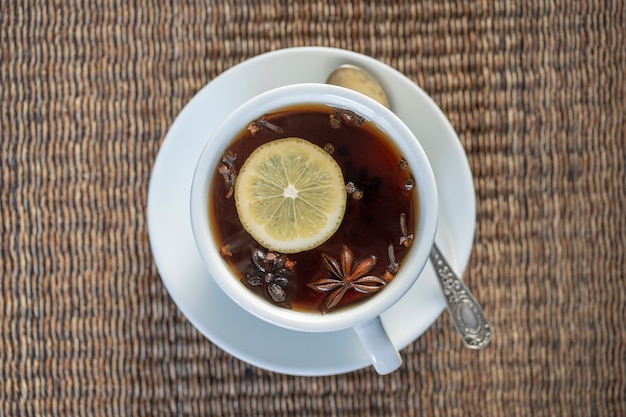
(88, 90)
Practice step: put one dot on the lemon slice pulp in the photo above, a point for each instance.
(290, 195)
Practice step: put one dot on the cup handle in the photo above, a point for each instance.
(384, 355)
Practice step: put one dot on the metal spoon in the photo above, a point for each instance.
(354, 78)
(467, 315)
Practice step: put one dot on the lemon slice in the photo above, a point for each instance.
(290, 195)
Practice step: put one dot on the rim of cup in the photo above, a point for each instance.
(333, 96)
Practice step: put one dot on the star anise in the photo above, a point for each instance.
(344, 275)
(271, 270)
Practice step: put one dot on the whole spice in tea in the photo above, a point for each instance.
(339, 116)
(406, 238)
(262, 122)
(345, 275)
(271, 270)
(228, 171)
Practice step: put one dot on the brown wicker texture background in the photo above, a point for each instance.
(536, 91)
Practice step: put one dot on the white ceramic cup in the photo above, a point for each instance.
(364, 317)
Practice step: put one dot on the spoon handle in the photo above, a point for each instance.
(467, 315)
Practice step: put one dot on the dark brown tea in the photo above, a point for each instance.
(377, 228)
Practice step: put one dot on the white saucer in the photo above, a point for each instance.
(203, 302)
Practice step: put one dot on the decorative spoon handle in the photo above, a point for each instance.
(466, 313)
